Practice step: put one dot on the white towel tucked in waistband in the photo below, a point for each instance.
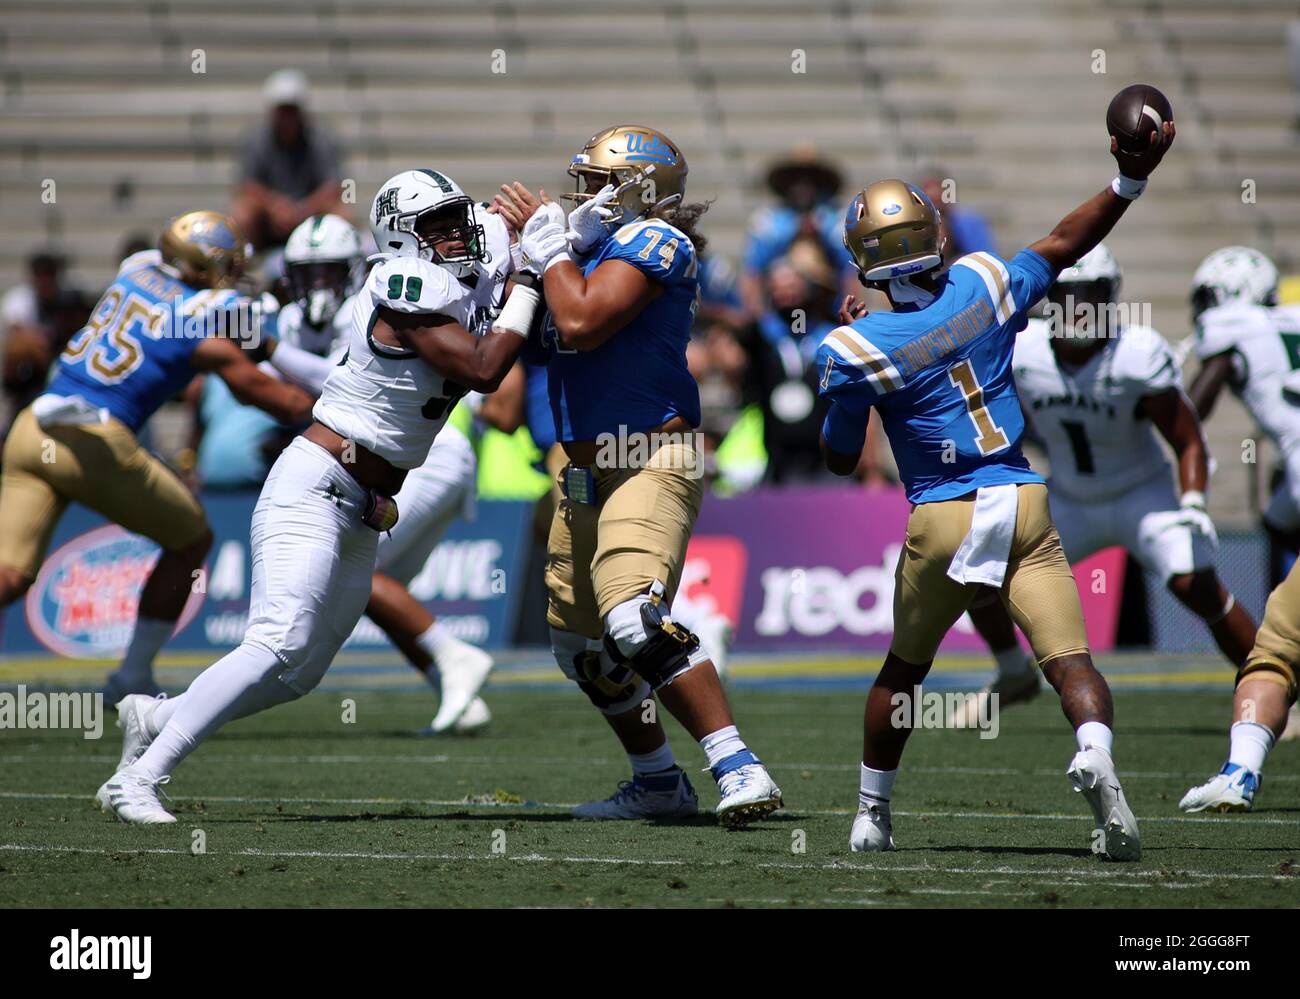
(982, 557)
(66, 411)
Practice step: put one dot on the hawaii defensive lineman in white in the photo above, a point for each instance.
(1096, 393)
(410, 355)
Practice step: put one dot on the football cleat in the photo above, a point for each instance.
(1232, 789)
(1093, 775)
(476, 718)
(748, 791)
(1014, 688)
(462, 673)
(134, 718)
(655, 796)
(133, 797)
(118, 686)
(873, 829)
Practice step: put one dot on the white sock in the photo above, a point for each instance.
(240, 684)
(437, 641)
(654, 762)
(149, 636)
(875, 786)
(1014, 661)
(719, 745)
(163, 712)
(1094, 735)
(1249, 744)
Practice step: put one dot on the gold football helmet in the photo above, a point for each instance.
(892, 230)
(207, 248)
(646, 160)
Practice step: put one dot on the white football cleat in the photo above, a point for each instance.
(133, 797)
(873, 829)
(748, 793)
(134, 716)
(1292, 730)
(476, 717)
(1232, 789)
(656, 796)
(117, 686)
(1093, 774)
(715, 633)
(1014, 688)
(462, 674)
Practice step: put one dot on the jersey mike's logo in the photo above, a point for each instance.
(84, 601)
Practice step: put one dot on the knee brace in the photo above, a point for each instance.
(651, 643)
(611, 686)
(1275, 671)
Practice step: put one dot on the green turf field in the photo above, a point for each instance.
(300, 809)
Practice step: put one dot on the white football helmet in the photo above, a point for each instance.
(1098, 264)
(321, 260)
(1234, 274)
(416, 209)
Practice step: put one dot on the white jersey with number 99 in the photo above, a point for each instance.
(387, 399)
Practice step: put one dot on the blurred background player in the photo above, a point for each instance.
(322, 258)
(1095, 391)
(146, 339)
(420, 337)
(619, 316)
(1266, 686)
(1250, 344)
(938, 369)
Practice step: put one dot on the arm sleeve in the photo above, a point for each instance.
(302, 366)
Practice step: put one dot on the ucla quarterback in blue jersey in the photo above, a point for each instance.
(147, 338)
(621, 282)
(937, 371)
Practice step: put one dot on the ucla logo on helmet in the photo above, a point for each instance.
(213, 233)
(641, 146)
(891, 209)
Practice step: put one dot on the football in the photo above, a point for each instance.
(1134, 113)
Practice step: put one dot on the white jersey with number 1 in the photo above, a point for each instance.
(1088, 418)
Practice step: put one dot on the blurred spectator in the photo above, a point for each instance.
(136, 242)
(806, 187)
(37, 319)
(966, 230)
(289, 167)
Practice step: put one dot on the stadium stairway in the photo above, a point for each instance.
(134, 111)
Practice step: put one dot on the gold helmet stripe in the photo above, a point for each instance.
(996, 280)
(859, 351)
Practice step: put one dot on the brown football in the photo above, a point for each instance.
(1136, 112)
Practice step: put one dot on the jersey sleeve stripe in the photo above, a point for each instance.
(859, 351)
(996, 280)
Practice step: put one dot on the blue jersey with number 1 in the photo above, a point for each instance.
(940, 378)
(637, 379)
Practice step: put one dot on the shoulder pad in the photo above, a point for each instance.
(412, 285)
(1224, 327)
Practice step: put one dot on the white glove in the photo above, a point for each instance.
(544, 239)
(587, 228)
(1192, 514)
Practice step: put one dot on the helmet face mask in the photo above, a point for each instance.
(321, 258)
(448, 226)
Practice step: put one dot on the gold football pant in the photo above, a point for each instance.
(100, 465)
(1038, 589)
(1277, 645)
(600, 555)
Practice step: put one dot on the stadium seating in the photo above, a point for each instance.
(101, 97)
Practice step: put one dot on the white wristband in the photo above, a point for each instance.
(562, 255)
(1193, 498)
(517, 314)
(1127, 187)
